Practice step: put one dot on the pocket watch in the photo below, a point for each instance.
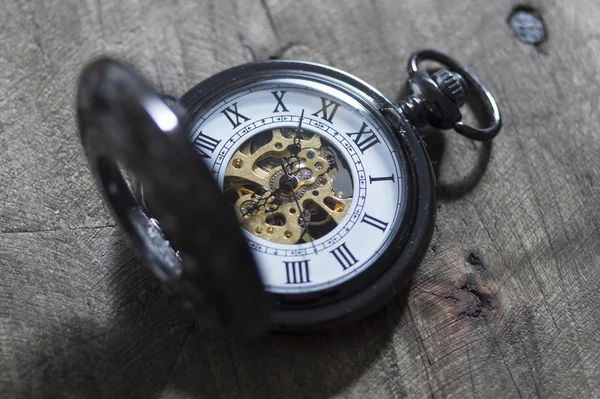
(276, 195)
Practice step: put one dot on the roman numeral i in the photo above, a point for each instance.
(231, 112)
(364, 138)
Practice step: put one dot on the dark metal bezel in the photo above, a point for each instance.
(389, 274)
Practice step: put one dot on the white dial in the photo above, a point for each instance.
(314, 179)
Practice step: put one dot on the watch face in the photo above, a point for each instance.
(317, 181)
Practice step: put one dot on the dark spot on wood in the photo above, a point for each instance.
(466, 299)
(528, 26)
(482, 305)
(475, 261)
(433, 248)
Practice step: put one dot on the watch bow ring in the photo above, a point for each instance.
(277, 195)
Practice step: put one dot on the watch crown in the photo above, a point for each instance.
(452, 85)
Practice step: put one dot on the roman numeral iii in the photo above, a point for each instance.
(328, 110)
(344, 256)
(279, 98)
(364, 138)
(204, 143)
(231, 112)
(378, 224)
(297, 272)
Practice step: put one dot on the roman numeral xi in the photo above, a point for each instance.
(234, 116)
(328, 109)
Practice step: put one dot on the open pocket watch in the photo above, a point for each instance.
(279, 195)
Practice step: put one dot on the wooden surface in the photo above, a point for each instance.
(505, 303)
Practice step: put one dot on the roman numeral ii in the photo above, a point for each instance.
(370, 220)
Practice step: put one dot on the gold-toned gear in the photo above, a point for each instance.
(268, 210)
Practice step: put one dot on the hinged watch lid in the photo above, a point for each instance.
(192, 240)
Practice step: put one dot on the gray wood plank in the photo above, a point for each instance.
(504, 305)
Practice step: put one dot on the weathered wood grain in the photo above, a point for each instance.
(505, 303)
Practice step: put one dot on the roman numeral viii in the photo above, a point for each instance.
(325, 111)
(204, 143)
(344, 256)
(370, 220)
(279, 98)
(297, 272)
(231, 112)
(365, 138)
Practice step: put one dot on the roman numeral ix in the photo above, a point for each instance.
(344, 256)
(279, 98)
(370, 220)
(297, 272)
(326, 104)
(204, 143)
(364, 139)
(231, 113)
